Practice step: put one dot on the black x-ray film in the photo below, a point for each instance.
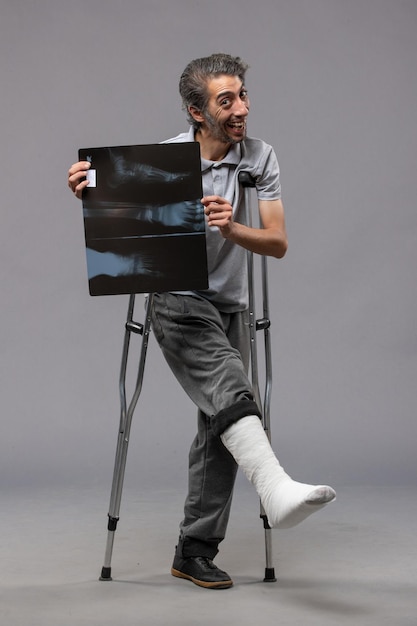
(143, 220)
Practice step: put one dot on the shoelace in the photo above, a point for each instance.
(204, 561)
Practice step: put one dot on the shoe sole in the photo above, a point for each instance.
(222, 584)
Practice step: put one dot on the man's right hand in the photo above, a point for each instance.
(77, 177)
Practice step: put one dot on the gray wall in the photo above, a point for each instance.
(333, 88)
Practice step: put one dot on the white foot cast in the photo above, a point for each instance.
(286, 502)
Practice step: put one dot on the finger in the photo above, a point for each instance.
(216, 208)
(78, 190)
(77, 173)
(216, 212)
(74, 179)
(212, 199)
(216, 216)
(79, 166)
(76, 185)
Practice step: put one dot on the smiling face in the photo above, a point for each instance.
(225, 117)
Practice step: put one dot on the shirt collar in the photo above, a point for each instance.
(232, 157)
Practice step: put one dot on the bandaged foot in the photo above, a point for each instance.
(286, 502)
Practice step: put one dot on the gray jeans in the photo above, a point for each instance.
(208, 352)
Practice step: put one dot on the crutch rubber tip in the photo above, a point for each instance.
(106, 573)
(270, 575)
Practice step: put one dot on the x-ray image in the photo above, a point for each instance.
(127, 171)
(143, 219)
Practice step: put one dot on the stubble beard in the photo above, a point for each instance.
(218, 132)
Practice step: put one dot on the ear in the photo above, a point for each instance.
(196, 114)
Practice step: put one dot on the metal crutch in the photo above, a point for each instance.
(247, 182)
(126, 414)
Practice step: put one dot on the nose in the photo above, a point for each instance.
(241, 108)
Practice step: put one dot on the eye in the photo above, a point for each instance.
(225, 102)
(243, 94)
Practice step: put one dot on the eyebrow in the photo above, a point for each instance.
(223, 94)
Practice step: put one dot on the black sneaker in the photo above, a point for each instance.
(201, 571)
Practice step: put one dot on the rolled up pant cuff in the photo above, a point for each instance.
(227, 417)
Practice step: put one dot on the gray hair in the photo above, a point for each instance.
(193, 81)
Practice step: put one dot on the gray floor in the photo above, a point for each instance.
(352, 563)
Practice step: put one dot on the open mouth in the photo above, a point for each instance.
(237, 128)
(237, 125)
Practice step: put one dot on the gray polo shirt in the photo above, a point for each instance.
(227, 264)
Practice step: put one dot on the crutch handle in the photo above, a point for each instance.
(246, 180)
(263, 324)
(134, 327)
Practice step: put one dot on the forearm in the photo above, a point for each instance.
(269, 240)
(266, 241)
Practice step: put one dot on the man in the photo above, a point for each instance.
(204, 335)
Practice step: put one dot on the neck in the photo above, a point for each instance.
(211, 149)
